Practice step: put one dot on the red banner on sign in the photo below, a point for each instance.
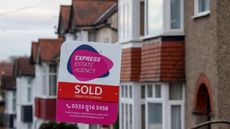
(83, 91)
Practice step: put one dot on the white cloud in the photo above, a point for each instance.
(19, 29)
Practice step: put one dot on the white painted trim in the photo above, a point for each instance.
(47, 97)
(132, 45)
(168, 18)
(200, 15)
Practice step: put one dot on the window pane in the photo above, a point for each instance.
(203, 5)
(143, 116)
(127, 116)
(14, 101)
(44, 85)
(92, 36)
(121, 24)
(143, 92)
(175, 91)
(130, 91)
(150, 90)
(126, 91)
(52, 84)
(122, 116)
(154, 116)
(176, 117)
(130, 116)
(29, 97)
(158, 91)
(53, 68)
(122, 91)
(128, 21)
(142, 18)
(125, 20)
(175, 14)
(154, 17)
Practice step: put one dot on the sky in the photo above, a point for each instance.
(24, 21)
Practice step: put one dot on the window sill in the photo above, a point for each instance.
(171, 33)
(48, 97)
(200, 15)
(127, 41)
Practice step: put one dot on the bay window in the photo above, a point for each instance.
(176, 105)
(175, 15)
(154, 17)
(154, 116)
(164, 106)
(143, 116)
(126, 107)
(124, 19)
(163, 16)
(176, 117)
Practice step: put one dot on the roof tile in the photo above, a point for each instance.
(86, 12)
(23, 67)
(49, 48)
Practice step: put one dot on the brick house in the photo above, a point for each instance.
(42, 55)
(207, 62)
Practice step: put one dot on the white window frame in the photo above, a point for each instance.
(126, 100)
(29, 94)
(177, 103)
(125, 15)
(49, 77)
(166, 28)
(14, 102)
(166, 104)
(45, 80)
(154, 100)
(168, 18)
(198, 14)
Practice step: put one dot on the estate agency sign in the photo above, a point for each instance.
(88, 82)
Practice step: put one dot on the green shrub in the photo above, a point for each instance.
(55, 125)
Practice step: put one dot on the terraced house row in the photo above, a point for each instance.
(175, 62)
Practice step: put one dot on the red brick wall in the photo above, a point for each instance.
(163, 61)
(37, 107)
(45, 108)
(48, 109)
(130, 65)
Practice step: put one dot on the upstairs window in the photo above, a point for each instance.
(124, 20)
(154, 17)
(92, 36)
(202, 6)
(175, 15)
(52, 79)
(162, 17)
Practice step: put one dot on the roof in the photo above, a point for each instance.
(34, 51)
(64, 18)
(46, 50)
(107, 14)
(8, 83)
(65, 13)
(86, 12)
(6, 68)
(23, 67)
